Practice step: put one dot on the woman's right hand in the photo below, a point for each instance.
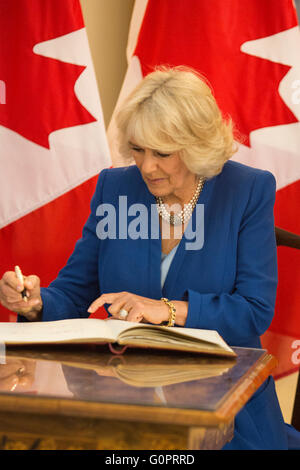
(11, 297)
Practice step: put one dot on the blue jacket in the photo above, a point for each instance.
(230, 283)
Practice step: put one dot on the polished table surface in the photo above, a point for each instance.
(84, 397)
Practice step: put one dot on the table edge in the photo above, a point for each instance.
(246, 387)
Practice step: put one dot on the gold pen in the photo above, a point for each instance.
(21, 279)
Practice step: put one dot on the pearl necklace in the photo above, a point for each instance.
(185, 214)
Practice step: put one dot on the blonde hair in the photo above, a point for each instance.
(174, 110)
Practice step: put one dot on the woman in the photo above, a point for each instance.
(213, 269)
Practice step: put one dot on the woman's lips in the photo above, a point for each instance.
(155, 181)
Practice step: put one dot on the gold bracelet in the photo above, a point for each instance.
(172, 311)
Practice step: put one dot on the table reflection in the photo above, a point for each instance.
(94, 374)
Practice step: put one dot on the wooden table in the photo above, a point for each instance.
(86, 398)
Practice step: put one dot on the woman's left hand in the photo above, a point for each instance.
(138, 308)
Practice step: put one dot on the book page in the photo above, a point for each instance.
(119, 326)
(174, 334)
(59, 331)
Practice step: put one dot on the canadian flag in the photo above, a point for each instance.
(52, 137)
(249, 51)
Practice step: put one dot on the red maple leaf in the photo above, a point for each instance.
(40, 94)
(207, 35)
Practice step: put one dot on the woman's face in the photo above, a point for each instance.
(164, 174)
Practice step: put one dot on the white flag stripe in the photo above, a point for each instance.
(282, 164)
(132, 78)
(135, 26)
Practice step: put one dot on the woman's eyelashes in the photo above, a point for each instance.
(163, 155)
(155, 152)
(137, 149)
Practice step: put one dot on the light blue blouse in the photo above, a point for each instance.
(166, 261)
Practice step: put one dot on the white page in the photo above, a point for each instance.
(55, 331)
(206, 335)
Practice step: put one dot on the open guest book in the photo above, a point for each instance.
(113, 331)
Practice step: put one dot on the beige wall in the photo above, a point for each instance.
(107, 25)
